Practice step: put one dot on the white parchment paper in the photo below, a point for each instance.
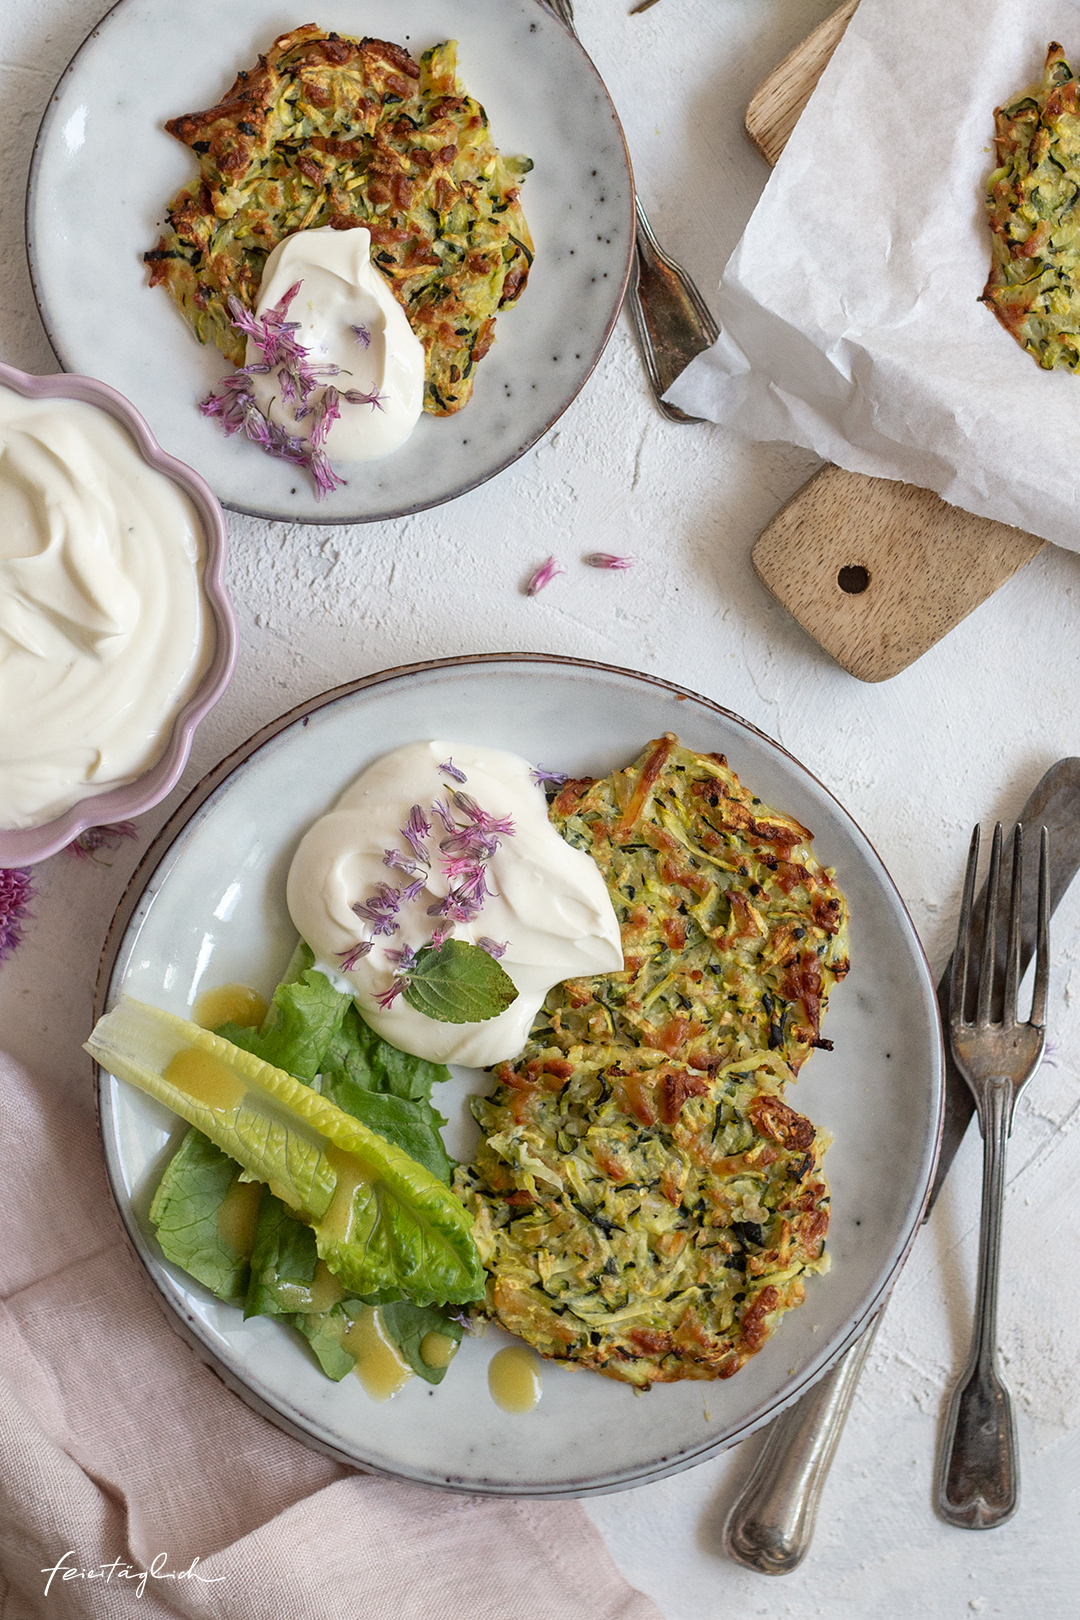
(849, 308)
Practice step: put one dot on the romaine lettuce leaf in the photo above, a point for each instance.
(305, 1016)
(360, 1056)
(410, 1122)
(381, 1220)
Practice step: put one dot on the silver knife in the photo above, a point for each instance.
(771, 1524)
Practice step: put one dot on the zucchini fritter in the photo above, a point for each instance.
(1032, 202)
(327, 130)
(732, 931)
(645, 1202)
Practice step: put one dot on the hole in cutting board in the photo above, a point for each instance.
(853, 579)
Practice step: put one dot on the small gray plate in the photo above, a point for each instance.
(104, 170)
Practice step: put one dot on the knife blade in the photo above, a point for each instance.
(771, 1524)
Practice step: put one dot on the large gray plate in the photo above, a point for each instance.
(104, 170)
(207, 907)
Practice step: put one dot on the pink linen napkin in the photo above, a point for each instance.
(120, 1453)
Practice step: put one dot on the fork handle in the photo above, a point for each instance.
(771, 1524)
(978, 1477)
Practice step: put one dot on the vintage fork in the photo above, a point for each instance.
(978, 1479)
(671, 320)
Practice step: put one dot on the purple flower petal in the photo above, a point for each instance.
(607, 559)
(455, 907)
(16, 893)
(415, 830)
(546, 572)
(445, 815)
(353, 955)
(402, 863)
(326, 479)
(387, 997)
(363, 336)
(414, 890)
(356, 396)
(405, 959)
(450, 769)
(439, 937)
(492, 946)
(326, 411)
(480, 819)
(542, 778)
(86, 845)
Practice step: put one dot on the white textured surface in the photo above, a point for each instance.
(962, 735)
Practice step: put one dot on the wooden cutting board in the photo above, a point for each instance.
(876, 571)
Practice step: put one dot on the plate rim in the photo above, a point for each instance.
(396, 512)
(168, 1298)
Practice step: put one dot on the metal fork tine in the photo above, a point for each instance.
(1042, 957)
(1012, 948)
(989, 939)
(958, 980)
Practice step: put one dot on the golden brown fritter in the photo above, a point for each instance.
(1033, 201)
(646, 1204)
(327, 130)
(732, 932)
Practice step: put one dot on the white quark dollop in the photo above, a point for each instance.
(340, 291)
(550, 907)
(103, 623)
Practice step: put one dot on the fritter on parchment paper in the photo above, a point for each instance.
(327, 130)
(1032, 202)
(646, 1203)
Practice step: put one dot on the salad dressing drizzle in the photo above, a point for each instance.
(229, 1004)
(204, 1078)
(437, 1349)
(337, 1223)
(514, 1378)
(379, 1367)
(237, 1215)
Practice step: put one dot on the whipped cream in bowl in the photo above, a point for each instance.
(116, 636)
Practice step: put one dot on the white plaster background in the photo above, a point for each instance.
(963, 735)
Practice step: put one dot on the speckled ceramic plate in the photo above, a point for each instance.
(104, 170)
(207, 907)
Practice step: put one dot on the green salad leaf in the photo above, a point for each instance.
(316, 1033)
(361, 1056)
(185, 1212)
(408, 1325)
(458, 984)
(305, 1015)
(283, 1262)
(381, 1220)
(323, 1333)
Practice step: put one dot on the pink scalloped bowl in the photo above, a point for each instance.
(22, 846)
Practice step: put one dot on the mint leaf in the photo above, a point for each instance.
(459, 984)
(184, 1213)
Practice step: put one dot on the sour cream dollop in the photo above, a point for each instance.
(348, 317)
(550, 906)
(104, 629)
